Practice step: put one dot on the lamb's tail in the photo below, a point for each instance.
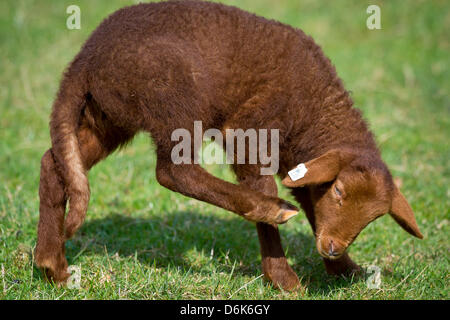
(64, 123)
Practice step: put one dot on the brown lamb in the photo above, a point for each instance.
(161, 66)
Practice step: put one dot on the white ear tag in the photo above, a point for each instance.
(298, 172)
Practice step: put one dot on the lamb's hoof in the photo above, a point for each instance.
(277, 271)
(54, 268)
(286, 212)
(58, 278)
(273, 211)
(290, 284)
(343, 266)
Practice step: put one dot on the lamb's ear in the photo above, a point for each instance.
(403, 214)
(320, 170)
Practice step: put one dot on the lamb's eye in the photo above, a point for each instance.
(337, 191)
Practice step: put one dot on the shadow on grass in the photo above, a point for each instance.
(171, 240)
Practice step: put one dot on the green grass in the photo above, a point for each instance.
(141, 241)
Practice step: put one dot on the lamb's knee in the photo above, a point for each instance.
(51, 190)
(47, 158)
(164, 178)
(47, 163)
(174, 177)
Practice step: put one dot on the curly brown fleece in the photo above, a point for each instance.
(159, 67)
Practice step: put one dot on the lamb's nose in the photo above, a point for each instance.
(331, 251)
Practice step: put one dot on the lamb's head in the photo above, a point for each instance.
(348, 190)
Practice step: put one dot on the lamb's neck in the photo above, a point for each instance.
(332, 124)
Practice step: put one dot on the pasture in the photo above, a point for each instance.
(141, 241)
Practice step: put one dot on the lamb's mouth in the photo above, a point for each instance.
(331, 253)
(325, 255)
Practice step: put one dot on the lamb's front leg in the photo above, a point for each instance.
(274, 262)
(193, 181)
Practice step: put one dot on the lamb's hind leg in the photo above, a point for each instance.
(96, 142)
(50, 250)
